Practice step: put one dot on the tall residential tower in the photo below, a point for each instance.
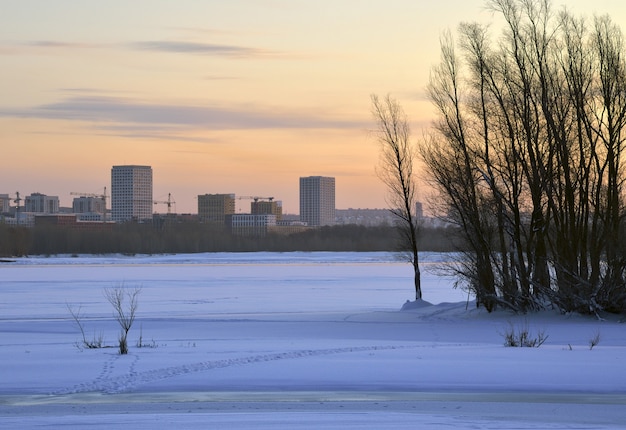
(131, 193)
(317, 200)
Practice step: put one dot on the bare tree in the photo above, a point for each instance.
(452, 155)
(527, 154)
(124, 314)
(396, 171)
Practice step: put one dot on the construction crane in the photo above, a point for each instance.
(255, 201)
(255, 198)
(169, 202)
(102, 196)
(17, 201)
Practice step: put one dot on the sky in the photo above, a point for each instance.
(238, 96)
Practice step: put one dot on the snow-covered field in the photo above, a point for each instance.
(307, 340)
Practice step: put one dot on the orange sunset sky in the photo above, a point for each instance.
(237, 96)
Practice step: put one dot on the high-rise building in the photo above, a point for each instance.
(41, 203)
(131, 193)
(215, 207)
(317, 200)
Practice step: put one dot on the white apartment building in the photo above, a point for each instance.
(317, 200)
(250, 224)
(131, 193)
(41, 204)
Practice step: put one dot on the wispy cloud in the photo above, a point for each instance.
(152, 133)
(53, 46)
(168, 46)
(44, 47)
(57, 44)
(91, 91)
(130, 117)
(180, 47)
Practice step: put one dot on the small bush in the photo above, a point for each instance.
(124, 314)
(96, 342)
(594, 340)
(142, 344)
(521, 337)
(125, 303)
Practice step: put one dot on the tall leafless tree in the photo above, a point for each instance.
(527, 154)
(397, 156)
(451, 156)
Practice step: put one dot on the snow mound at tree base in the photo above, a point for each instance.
(416, 304)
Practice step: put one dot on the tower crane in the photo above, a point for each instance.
(255, 198)
(17, 201)
(102, 196)
(169, 202)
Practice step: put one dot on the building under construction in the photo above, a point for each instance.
(267, 207)
(215, 207)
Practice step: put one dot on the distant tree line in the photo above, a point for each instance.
(192, 237)
(14, 241)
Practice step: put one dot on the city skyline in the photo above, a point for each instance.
(130, 197)
(240, 96)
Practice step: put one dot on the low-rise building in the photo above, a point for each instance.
(70, 221)
(249, 224)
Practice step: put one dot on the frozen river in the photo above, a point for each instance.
(200, 284)
(307, 340)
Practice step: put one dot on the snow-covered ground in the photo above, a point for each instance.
(307, 340)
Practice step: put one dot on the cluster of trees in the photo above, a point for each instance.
(526, 155)
(14, 241)
(190, 237)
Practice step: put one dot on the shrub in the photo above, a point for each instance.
(96, 342)
(522, 337)
(124, 316)
(594, 340)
